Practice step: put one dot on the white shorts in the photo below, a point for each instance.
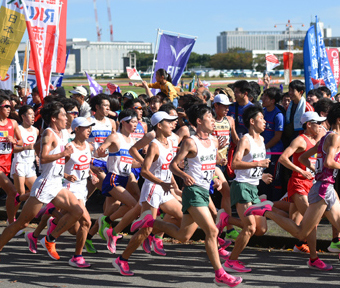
(154, 195)
(26, 170)
(45, 190)
(78, 189)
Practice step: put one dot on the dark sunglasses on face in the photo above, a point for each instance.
(6, 106)
(74, 113)
(138, 107)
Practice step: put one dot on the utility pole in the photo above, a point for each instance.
(110, 21)
(99, 31)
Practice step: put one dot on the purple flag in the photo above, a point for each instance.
(173, 55)
(95, 88)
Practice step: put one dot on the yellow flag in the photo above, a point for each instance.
(12, 29)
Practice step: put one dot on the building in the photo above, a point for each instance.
(255, 40)
(100, 58)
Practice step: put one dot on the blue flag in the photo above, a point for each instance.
(173, 55)
(310, 60)
(325, 70)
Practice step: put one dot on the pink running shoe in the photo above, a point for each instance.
(235, 266)
(122, 267)
(143, 221)
(221, 220)
(111, 240)
(78, 262)
(32, 242)
(224, 243)
(224, 254)
(227, 280)
(259, 209)
(50, 226)
(16, 203)
(147, 244)
(319, 265)
(158, 246)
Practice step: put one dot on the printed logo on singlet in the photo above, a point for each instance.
(30, 138)
(83, 158)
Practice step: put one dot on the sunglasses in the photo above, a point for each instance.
(6, 106)
(74, 113)
(138, 107)
(316, 122)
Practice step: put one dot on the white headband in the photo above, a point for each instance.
(127, 118)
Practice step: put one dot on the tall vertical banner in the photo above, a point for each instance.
(173, 55)
(6, 83)
(12, 28)
(288, 58)
(42, 20)
(333, 58)
(325, 71)
(59, 64)
(310, 60)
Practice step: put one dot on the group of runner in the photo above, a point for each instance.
(78, 155)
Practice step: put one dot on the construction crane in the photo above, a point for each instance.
(110, 21)
(99, 31)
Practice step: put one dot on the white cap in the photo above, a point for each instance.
(161, 115)
(223, 99)
(79, 90)
(311, 116)
(80, 122)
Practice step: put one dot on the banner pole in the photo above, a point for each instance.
(154, 55)
(27, 61)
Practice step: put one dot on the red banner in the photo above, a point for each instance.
(333, 57)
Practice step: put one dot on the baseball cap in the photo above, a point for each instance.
(311, 116)
(79, 90)
(80, 122)
(130, 95)
(160, 116)
(60, 91)
(223, 99)
(21, 85)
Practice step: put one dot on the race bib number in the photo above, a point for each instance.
(166, 173)
(125, 165)
(256, 173)
(81, 171)
(313, 161)
(6, 148)
(208, 171)
(59, 168)
(318, 165)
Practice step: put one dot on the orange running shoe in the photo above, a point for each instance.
(50, 248)
(302, 249)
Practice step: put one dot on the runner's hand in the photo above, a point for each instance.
(267, 178)
(96, 170)
(29, 147)
(101, 152)
(217, 184)
(11, 139)
(70, 178)
(222, 141)
(94, 179)
(306, 174)
(68, 150)
(188, 180)
(263, 163)
(167, 187)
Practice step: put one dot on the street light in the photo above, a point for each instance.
(288, 25)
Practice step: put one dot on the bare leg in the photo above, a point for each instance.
(251, 225)
(127, 219)
(11, 191)
(30, 209)
(85, 222)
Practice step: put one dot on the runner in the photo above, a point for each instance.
(156, 188)
(10, 139)
(77, 170)
(23, 169)
(322, 196)
(199, 153)
(301, 180)
(248, 163)
(48, 186)
(119, 165)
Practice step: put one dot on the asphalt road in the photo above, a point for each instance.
(184, 266)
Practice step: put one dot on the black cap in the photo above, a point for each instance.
(60, 91)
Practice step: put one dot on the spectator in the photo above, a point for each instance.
(272, 138)
(79, 94)
(297, 107)
(24, 94)
(314, 96)
(285, 100)
(337, 97)
(241, 91)
(58, 92)
(255, 93)
(325, 92)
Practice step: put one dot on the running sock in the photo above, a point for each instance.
(108, 220)
(114, 232)
(89, 236)
(54, 222)
(219, 272)
(123, 259)
(50, 211)
(336, 240)
(17, 198)
(228, 231)
(34, 236)
(50, 238)
(77, 256)
(312, 260)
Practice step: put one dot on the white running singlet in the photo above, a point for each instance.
(26, 156)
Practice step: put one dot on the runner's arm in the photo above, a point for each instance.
(331, 149)
(304, 158)
(147, 138)
(151, 155)
(297, 145)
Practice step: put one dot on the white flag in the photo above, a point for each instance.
(133, 74)
(271, 61)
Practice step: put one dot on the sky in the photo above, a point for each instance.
(138, 20)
